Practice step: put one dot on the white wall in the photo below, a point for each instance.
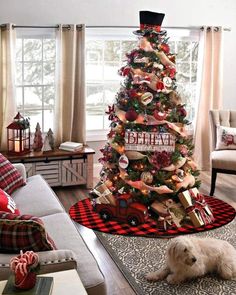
(126, 13)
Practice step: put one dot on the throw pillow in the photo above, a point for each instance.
(23, 232)
(10, 178)
(7, 204)
(226, 138)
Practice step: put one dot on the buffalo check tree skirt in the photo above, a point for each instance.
(82, 212)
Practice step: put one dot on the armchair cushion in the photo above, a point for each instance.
(224, 159)
(226, 138)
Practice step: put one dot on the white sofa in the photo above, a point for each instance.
(38, 199)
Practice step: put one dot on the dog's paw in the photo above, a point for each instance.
(153, 276)
(173, 279)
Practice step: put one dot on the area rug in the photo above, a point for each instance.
(136, 256)
(82, 212)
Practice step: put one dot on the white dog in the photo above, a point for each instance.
(191, 257)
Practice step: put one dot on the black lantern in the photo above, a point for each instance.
(18, 136)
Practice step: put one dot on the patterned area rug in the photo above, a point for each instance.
(136, 256)
(82, 212)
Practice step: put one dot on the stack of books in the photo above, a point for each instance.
(71, 146)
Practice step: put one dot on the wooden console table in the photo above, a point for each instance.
(58, 167)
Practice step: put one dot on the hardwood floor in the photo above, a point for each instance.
(116, 283)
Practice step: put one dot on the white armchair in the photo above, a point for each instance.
(222, 161)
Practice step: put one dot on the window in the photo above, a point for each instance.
(105, 54)
(35, 75)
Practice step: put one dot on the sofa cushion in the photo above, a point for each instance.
(63, 231)
(25, 232)
(10, 178)
(7, 204)
(37, 198)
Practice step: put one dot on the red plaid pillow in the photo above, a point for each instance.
(23, 232)
(7, 204)
(10, 178)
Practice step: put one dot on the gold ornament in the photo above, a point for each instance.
(147, 177)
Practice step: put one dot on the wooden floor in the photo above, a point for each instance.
(116, 283)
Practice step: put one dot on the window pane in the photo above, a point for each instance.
(94, 122)
(183, 72)
(112, 51)
(111, 71)
(48, 120)
(33, 73)
(49, 49)
(194, 51)
(194, 72)
(19, 77)
(32, 49)
(19, 99)
(49, 96)
(110, 91)
(183, 50)
(94, 103)
(48, 73)
(94, 51)
(94, 71)
(35, 116)
(19, 49)
(33, 97)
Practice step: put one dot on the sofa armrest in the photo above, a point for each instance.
(56, 260)
(21, 169)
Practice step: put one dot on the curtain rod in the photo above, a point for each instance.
(94, 27)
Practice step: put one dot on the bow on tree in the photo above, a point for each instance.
(111, 112)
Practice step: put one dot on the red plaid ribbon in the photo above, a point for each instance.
(200, 205)
(153, 27)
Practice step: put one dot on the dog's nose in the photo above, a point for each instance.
(194, 259)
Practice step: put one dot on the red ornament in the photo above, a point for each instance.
(160, 85)
(125, 71)
(133, 93)
(131, 115)
(165, 47)
(159, 115)
(182, 112)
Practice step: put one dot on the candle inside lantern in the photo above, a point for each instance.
(17, 145)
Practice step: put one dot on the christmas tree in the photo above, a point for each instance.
(51, 139)
(38, 140)
(148, 155)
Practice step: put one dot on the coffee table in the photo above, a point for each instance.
(64, 282)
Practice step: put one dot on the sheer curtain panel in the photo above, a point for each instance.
(210, 91)
(7, 81)
(70, 84)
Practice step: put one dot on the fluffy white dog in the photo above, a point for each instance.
(191, 257)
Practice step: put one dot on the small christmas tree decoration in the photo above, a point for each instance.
(38, 139)
(51, 139)
(46, 145)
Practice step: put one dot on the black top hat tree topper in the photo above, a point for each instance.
(150, 22)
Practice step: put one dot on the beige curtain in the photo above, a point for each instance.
(70, 85)
(210, 94)
(7, 81)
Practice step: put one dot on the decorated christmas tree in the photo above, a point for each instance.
(148, 155)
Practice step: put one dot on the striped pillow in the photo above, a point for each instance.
(23, 232)
(10, 178)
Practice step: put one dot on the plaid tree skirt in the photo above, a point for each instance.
(82, 212)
